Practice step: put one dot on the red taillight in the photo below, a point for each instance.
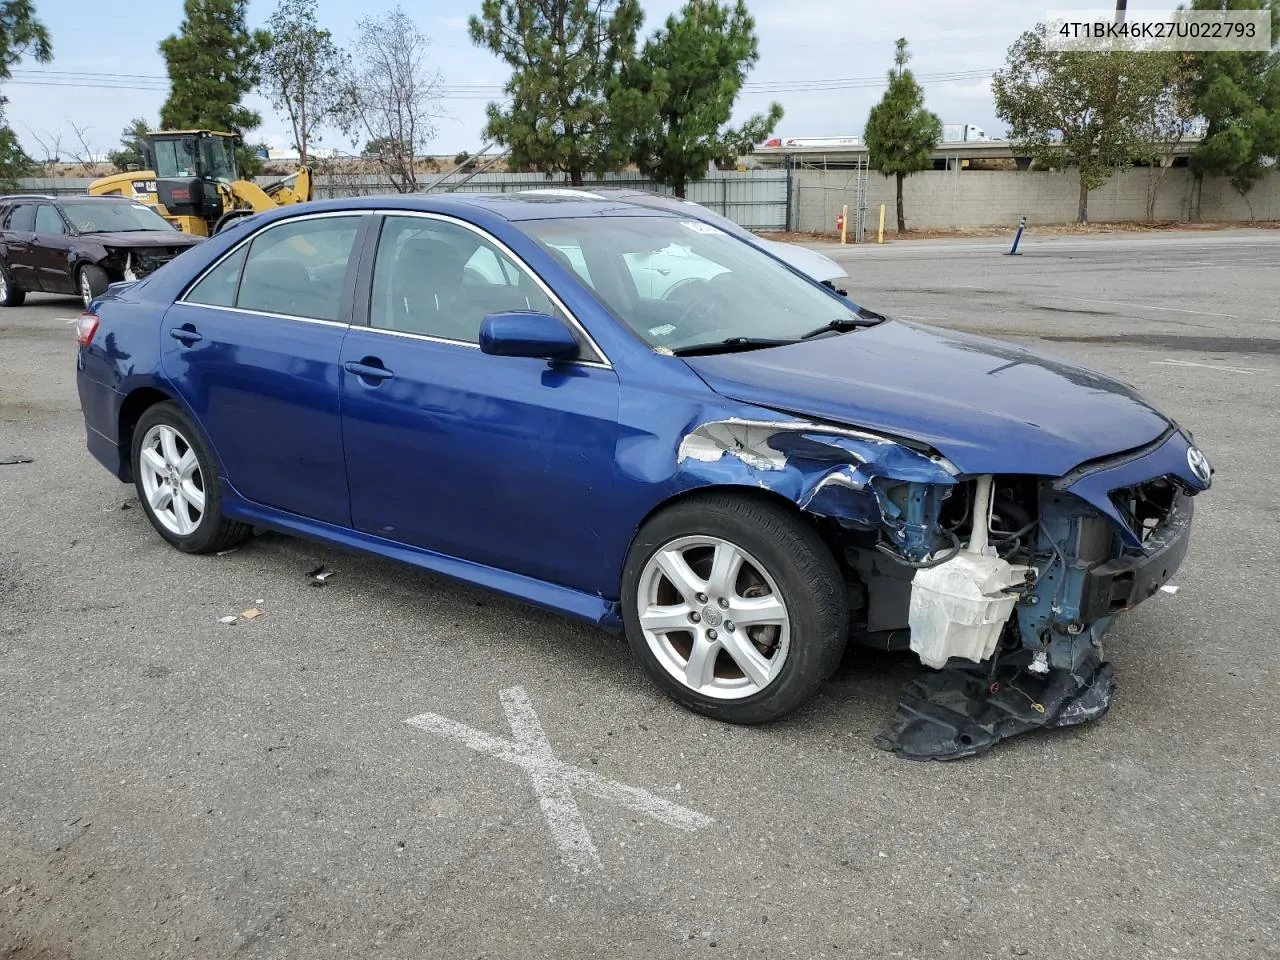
(86, 327)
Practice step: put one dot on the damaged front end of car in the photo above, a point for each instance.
(1004, 584)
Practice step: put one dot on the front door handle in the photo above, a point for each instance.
(368, 371)
(187, 335)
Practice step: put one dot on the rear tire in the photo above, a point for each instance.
(91, 281)
(177, 483)
(10, 296)
(743, 558)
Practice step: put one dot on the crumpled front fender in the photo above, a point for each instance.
(826, 470)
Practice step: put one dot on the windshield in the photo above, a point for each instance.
(682, 284)
(114, 217)
(210, 157)
(219, 159)
(175, 157)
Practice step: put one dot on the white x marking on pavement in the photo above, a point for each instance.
(555, 781)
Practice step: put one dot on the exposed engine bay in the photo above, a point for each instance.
(1004, 585)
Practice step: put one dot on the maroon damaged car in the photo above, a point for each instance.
(78, 245)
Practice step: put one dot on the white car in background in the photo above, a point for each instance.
(676, 265)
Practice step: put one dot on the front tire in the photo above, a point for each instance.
(177, 483)
(734, 607)
(91, 281)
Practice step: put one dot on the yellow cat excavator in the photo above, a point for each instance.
(193, 182)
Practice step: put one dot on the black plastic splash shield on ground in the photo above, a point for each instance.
(961, 711)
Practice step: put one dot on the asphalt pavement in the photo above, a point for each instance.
(173, 786)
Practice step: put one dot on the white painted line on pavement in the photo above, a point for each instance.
(564, 819)
(555, 781)
(1247, 371)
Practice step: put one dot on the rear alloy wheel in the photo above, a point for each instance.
(90, 282)
(10, 296)
(735, 607)
(177, 484)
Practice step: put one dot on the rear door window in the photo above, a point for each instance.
(22, 218)
(298, 268)
(217, 288)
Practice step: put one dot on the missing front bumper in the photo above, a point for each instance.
(1126, 581)
(1055, 676)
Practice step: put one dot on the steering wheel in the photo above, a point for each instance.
(699, 296)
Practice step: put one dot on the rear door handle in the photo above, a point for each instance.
(367, 371)
(186, 335)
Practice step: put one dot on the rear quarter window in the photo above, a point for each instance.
(217, 288)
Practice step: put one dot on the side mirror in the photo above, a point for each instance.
(518, 334)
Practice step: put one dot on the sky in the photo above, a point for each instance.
(824, 60)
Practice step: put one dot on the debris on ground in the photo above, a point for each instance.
(962, 711)
(319, 575)
(251, 614)
(1169, 588)
(8, 458)
(223, 553)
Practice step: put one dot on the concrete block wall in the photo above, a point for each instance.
(944, 199)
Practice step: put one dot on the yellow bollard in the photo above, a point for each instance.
(844, 222)
(880, 235)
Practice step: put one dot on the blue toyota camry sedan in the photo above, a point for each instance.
(628, 413)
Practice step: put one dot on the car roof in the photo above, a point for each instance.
(86, 198)
(543, 204)
(72, 198)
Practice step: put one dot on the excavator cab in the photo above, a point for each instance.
(192, 181)
(189, 166)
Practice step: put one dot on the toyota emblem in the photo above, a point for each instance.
(1199, 465)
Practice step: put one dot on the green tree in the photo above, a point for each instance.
(1083, 108)
(378, 147)
(213, 62)
(564, 56)
(678, 96)
(21, 35)
(303, 73)
(1238, 95)
(1170, 118)
(901, 134)
(14, 162)
(133, 144)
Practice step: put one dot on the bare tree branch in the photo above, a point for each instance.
(83, 154)
(395, 94)
(50, 152)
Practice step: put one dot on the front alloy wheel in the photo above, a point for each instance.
(91, 281)
(734, 605)
(713, 617)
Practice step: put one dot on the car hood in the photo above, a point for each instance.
(986, 405)
(149, 238)
(817, 265)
